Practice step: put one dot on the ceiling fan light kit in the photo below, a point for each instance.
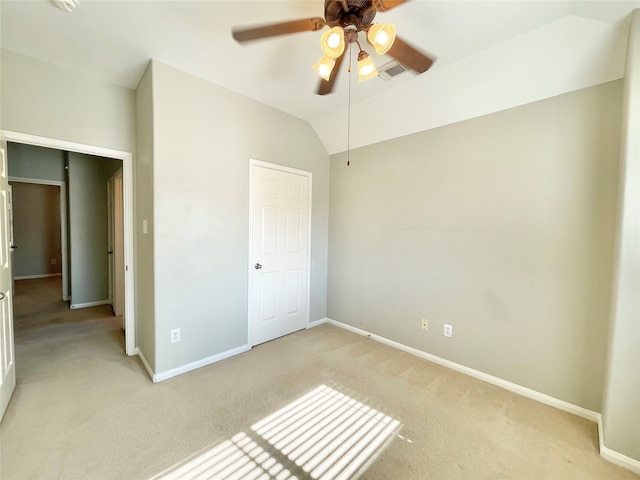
(366, 68)
(324, 67)
(381, 37)
(346, 19)
(332, 42)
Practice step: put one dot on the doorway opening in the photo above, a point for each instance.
(38, 224)
(99, 239)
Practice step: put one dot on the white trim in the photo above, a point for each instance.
(281, 168)
(76, 306)
(38, 181)
(600, 434)
(620, 459)
(159, 377)
(32, 277)
(512, 387)
(614, 457)
(606, 453)
(316, 323)
(63, 225)
(127, 170)
(145, 364)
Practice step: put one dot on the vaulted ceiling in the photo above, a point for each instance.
(491, 55)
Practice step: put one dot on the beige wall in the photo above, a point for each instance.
(501, 226)
(36, 229)
(203, 138)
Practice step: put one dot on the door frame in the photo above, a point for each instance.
(127, 179)
(63, 224)
(281, 168)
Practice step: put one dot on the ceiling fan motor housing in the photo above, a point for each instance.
(358, 13)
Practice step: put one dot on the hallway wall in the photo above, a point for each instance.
(88, 222)
(36, 230)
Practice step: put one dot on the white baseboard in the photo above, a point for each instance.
(620, 459)
(606, 453)
(159, 377)
(315, 323)
(32, 277)
(512, 387)
(145, 364)
(615, 457)
(90, 304)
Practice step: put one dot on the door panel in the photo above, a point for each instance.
(269, 231)
(118, 246)
(7, 355)
(294, 235)
(110, 241)
(292, 292)
(269, 301)
(115, 209)
(280, 253)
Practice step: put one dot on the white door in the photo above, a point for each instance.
(115, 232)
(12, 245)
(110, 238)
(279, 260)
(118, 246)
(7, 359)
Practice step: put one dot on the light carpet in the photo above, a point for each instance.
(320, 403)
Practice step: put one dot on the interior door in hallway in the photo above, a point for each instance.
(115, 212)
(7, 358)
(118, 246)
(279, 260)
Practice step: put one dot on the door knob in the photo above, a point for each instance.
(13, 247)
(257, 266)
(1, 296)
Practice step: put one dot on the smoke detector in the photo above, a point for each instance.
(67, 5)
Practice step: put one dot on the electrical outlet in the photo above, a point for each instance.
(425, 324)
(53, 261)
(448, 330)
(175, 335)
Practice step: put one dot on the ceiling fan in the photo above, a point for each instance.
(346, 19)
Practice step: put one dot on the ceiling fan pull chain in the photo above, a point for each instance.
(349, 110)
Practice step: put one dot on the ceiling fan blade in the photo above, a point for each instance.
(386, 5)
(409, 56)
(326, 86)
(275, 29)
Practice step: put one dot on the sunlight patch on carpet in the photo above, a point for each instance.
(324, 435)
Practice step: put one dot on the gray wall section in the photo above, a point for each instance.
(29, 161)
(204, 136)
(40, 98)
(36, 229)
(501, 226)
(88, 177)
(145, 333)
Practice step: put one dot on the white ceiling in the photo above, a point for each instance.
(491, 55)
